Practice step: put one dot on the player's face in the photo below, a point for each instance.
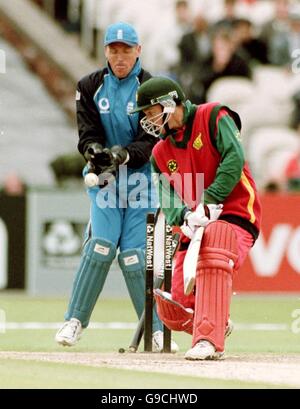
(154, 120)
(122, 58)
(153, 112)
(154, 115)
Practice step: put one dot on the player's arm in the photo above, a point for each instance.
(171, 204)
(136, 154)
(232, 161)
(90, 129)
(140, 149)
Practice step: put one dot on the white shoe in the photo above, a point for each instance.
(69, 333)
(203, 350)
(158, 343)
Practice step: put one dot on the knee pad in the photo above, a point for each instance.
(100, 249)
(132, 262)
(173, 314)
(219, 247)
(218, 254)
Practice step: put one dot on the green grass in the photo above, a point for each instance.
(245, 309)
(264, 308)
(33, 375)
(20, 308)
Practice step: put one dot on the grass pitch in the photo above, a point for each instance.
(276, 336)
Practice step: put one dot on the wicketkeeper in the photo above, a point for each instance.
(111, 140)
(201, 140)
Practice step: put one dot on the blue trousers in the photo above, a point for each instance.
(118, 211)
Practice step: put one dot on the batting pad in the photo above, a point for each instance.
(95, 263)
(218, 255)
(132, 263)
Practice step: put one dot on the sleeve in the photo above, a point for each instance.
(89, 124)
(232, 161)
(170, 203)
(141, 148)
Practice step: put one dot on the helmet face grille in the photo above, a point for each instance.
(155, 125)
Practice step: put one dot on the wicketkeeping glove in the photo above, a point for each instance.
(101, 162)
(92, 150)
(107, 163)
(120, 154)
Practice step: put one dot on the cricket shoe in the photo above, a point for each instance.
(69, 333)
(158, 343)
(203, 350)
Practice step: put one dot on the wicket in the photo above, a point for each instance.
(164, 276)
(162, 272)
(149, 282)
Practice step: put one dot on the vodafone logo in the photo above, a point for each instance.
(267, 255)
(104, 106)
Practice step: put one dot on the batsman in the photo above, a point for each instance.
(205, 186)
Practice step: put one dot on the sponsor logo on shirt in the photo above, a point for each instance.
(198, 142)
(104, 106)
(130, 107)
(172, 165)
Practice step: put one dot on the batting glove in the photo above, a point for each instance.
(201, 217)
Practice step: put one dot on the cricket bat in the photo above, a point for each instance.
(191, 260)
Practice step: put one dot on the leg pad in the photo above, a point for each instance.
(218, 255)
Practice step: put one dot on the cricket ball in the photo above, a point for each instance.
(91, 179)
